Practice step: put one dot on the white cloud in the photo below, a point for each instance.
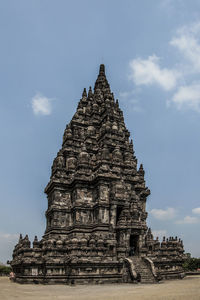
(196, 210)
(180, 78)
(187, 97)
(162, 214)
(188, 220)
(8, 236)
(124, 95)
(159, 233)
(41, 105)
(130, 99)
(187, 42)
(148, 72)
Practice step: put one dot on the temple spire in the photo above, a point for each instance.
(102, 70)
(90, 94)
(101, 82)
(84, 94)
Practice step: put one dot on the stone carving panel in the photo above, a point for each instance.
(84, 196)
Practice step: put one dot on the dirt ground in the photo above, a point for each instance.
(187, 288)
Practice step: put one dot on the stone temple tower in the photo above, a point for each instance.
(96, 227)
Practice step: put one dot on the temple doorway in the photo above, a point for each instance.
(134, 249)
(118, 213)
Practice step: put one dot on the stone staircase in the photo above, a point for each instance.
(140, 270)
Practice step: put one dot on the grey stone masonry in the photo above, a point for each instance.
(96, 229)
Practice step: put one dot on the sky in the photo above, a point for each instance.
(50, 50)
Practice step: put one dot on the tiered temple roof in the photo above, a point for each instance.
(96, 217)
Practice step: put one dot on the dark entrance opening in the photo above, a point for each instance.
(134, 245)
(119, 211)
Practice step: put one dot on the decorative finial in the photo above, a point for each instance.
(20, 238)
(84, 93)
(102, 70)
(90, 92)
(141, 170)
(101, 84)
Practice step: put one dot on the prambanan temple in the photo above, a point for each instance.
(96, 229)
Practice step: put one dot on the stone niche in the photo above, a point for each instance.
(83, 195)
(104, 193)
(61, 199)
(83, 216)
(104, 215)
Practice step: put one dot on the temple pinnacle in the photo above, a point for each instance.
(101, 82)
(102, 70)
(84, 94)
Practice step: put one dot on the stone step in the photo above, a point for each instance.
(143, 269)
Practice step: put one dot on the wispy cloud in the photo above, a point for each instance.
(41, 105)
(188, 220)
(7, 243)
(196, 210)
(159, 233)
(130, 99)
(8, 236)
(148, 72)
(187, 97)
(178, 79)
(186, 41)
(163, 214)
(170, 7)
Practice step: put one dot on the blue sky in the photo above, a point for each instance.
(51, 50)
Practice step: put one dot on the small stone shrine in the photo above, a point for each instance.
(96, 229)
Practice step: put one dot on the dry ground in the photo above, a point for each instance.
(188, 288)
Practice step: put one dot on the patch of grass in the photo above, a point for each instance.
(4, 270)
